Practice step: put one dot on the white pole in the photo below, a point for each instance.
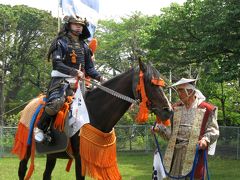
(2, 101)
(190, 71)
(238, 137)
(170, 89)
(58, 15)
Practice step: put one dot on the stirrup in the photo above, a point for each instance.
(38, 135)
(48, 138)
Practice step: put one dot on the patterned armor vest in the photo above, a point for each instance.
(75, 54)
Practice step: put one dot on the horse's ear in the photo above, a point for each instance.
(142, 66)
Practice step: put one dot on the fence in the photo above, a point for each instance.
(139, 138)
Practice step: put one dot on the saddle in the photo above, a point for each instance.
(59, 142)
(72, 123)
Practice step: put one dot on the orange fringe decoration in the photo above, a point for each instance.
(98, 154)
(21, 137)
(61, 116)
(20, 144)
(32, 166)
(142, 115)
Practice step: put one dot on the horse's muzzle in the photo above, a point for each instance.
(164, 114)
(167, 113)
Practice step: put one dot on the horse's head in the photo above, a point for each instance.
(157, 100)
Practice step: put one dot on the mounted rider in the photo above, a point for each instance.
(71, 60)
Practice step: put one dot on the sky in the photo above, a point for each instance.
(107, 8)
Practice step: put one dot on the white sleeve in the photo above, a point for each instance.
(211, 133)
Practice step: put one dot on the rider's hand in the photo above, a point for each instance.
(202, 144)
(102, 79)
(154, 129)
(162, 130)
(80, 74)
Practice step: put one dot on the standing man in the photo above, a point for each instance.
(194, 125)
(71, 60)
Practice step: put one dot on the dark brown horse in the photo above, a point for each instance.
(105, 111)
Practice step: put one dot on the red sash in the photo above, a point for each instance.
(200, 166)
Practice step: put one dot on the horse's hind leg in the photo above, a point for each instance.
(50, 164)
(22, 169)
(75, 148)
(78, 171)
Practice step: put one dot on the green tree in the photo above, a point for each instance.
(201, 38)
(25, 36)
(120, 43)
(200, 32)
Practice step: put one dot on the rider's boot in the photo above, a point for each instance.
(42, 127)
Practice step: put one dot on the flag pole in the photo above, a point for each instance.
(170, 89)
(59, 1)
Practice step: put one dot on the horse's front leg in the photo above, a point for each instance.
(22, 169)
(50, 164)
(75, 148)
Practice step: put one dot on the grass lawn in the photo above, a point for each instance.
(132, 166)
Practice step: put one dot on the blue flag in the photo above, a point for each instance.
(88, 9)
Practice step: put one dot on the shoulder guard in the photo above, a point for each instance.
(52, 47)
(63, 43)
(57, 42)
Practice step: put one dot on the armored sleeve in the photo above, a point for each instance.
(89, 65)
(211, 133)
(58, 56)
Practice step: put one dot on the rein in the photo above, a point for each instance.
(194, 166)
(112, 92)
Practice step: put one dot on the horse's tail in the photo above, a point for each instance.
(23, 138)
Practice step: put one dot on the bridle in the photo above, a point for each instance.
(142, 99)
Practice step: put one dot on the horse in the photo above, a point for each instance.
(105, 110)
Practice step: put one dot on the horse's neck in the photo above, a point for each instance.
(104, 109)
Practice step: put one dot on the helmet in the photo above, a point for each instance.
(78, 20)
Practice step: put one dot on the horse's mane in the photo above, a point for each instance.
(108, 83)
(151, 71)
